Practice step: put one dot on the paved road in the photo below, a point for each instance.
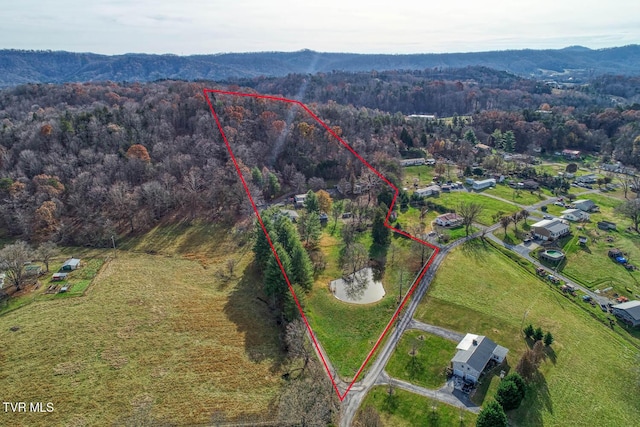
(376, 374)
(446, 394)
(524, 252)
(436, 330)
(359, 390)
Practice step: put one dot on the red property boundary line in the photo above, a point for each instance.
(386, 223)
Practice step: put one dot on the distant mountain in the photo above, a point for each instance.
(574, 63)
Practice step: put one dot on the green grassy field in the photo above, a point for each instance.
(590, 265)
(157, 338)
(427, 368)
(349, 331)
(77, 281)
(491, 206)
(422, 175)
(404, 409)
(480, 290)
(522, 197)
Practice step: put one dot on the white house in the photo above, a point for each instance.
(431, 190)
(550, 229)
(412, 162)
(485, 183)
(449, 220)
(575, 215)
(585, 205)
(299, 199)
(474, 354)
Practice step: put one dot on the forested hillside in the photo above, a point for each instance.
(569, 64)
(80, 162)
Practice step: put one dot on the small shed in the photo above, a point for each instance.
(70, 264)
(57, 277)
(32, 270)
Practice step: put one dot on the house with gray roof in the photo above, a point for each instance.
(474, 354)
(550, 229)
(628, 312)
(586, 205)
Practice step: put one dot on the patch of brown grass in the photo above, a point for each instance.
(157, 337)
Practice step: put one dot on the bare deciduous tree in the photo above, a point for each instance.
(45, 252)
(13, 258)
(469, 212)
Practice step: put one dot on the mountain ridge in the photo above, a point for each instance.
(572, 63)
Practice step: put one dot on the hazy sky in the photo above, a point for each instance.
(367, 26)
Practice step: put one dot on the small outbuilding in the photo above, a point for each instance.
(58, 277)
(70, 264)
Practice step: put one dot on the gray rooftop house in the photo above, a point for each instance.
(628, 312)
(474, 353)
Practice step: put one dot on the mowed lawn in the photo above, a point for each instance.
(421, 358)
(156, 338)
(590, 264)
(591, 377)
(490, 205)
(522, 197)
(346, 331)
(404, 409)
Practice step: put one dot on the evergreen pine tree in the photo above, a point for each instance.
(548, 339)
(261, 247)
(381, 234)
(275, 285)
(538, 334)
(311, 229)
(492, 415)
(528, 331)
(301, 268)
(311, 202)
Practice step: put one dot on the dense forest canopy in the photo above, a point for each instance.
(571, 64)
(81, 162)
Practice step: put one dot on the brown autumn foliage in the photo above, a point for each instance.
(138, 151)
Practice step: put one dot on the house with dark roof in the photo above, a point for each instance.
(473, 355)
(628, 312)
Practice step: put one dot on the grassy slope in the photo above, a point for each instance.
(524, 197)
(157, 330)
(406, 409)
(590, 265)
(347, 331)
(490, 205)
(589, 378)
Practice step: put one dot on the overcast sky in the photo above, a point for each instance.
(366, 26)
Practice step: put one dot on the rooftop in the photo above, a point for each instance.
(631, 307)
(476, 351)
